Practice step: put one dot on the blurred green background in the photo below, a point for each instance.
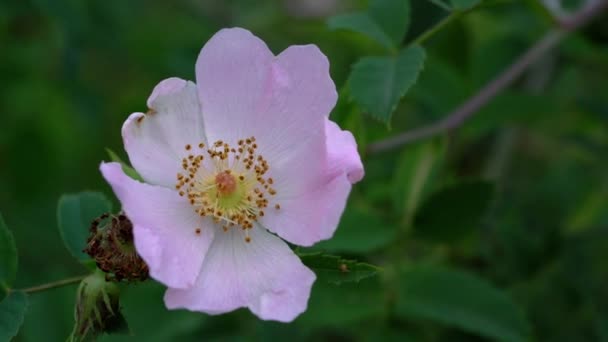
(498, 230)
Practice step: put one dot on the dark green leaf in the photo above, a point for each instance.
(360, 23)
(74, 214)
(453, 211)
(128, 170)
(386, 22)
(441, 4)
(378, 83)
(464, 4)
(461, 300)
(361, 230)
(337, 305)
(12, 310)
(8, 259)
(413, 178)
(334, 269)
(393, 16)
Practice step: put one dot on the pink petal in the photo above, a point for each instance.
(263, 275)
(165, 228)
(342, 153)
(282, 101)
(311, 216)
(156, 141)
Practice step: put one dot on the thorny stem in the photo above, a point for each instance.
(53, 285)
(498, 84)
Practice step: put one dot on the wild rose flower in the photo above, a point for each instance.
(246, 152)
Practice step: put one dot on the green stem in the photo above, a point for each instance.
(441, 24)
(53, 285)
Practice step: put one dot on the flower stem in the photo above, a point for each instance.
(441, 24)
(53, 285)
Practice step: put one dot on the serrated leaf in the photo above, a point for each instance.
(453, 211)
(460, 300)
(12, 311)
(464, 4)
(334, 269)
(75, 213)
(378, 83)
(386, 21)
(8, 259)
(128, 170)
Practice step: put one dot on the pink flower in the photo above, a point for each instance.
(246, 152)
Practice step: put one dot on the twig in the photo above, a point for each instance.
(431, 32)
(53, 285)
(490, 90)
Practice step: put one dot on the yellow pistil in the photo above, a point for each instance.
(226, 183)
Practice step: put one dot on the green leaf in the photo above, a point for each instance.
(454, 211)
(393, 16)
(378, 83)
(461, 5)
(441, 4)
(386, 22)
(339, 305)
(460, 300)
(75, 213)
(12, 311)
(334, 269)
(361, 230)
(413, 179)
(128, 170)
(361, 23)
(8, 259)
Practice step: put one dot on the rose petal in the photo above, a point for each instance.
(263, 275)
(282, 101)
(156, 141)
(165, 228)
(311, 216)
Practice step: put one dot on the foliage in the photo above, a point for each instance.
(8, 259)
(494, 231)
(74, 216)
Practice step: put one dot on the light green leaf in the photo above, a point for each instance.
(460, 300)
(128, 170)
(464, 4)
(8, 259)
(454, 211)
(386, 22)
(378, 83)
(75, 213)
(334, 269)
(12, 311)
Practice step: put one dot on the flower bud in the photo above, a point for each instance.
(110, 244)
(97, 308)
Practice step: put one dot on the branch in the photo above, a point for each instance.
(490, 90)
(53, 285)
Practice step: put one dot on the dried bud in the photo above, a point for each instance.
(110, 244)
(97, 308)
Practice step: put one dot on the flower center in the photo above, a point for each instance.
(227, 184)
